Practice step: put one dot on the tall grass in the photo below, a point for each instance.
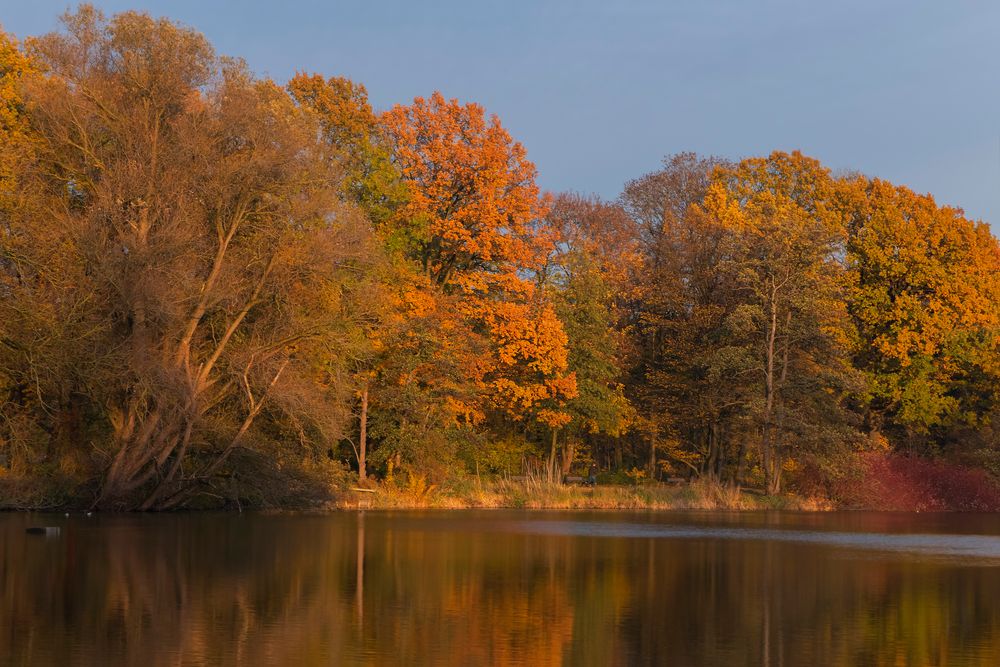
(534, 493)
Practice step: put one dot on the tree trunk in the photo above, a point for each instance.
(552, 458)
(771, 464)
(569, 453)
(363, 437)
(652, 455)
(713, 461)
(779, 407)
(741, 463)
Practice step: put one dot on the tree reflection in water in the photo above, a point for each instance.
(471, 589)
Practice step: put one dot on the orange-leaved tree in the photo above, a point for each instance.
(472, 208)
(14, 131)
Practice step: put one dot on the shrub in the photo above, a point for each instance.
(910, 483)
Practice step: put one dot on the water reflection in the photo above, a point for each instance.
(958, 548)
(499, 589)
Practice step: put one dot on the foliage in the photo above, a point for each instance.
(191, 206)
(927, 306)
(784, 249)
(895, 482)
(350, 127)
(473, 193)
(15, 137)
(216, 290)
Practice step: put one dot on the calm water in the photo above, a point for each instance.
(502, 588)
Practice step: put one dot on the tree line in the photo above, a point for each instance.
(214, 286)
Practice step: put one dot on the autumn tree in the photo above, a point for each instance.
(14, 130)
(473, 191)
(686, 362)
(926, 307)
(588, 266)
(216, 256)
(351, 128)
(473, 200)
(422, 396)
(785, 252)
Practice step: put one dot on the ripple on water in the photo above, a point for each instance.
(945, 546)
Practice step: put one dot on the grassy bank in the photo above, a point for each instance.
(534, 494)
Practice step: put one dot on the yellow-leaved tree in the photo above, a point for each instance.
(927, 307)
(784, 238)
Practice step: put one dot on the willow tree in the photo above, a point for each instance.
(204, 213)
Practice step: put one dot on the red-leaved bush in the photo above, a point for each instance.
(910, 483)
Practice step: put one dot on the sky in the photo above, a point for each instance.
(600, 92)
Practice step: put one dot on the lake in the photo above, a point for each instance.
(501, 588)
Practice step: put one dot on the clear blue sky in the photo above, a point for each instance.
(599, 92)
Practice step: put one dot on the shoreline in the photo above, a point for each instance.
(503, 494)
(533, 495)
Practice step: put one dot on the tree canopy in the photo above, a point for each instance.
(216, 288)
